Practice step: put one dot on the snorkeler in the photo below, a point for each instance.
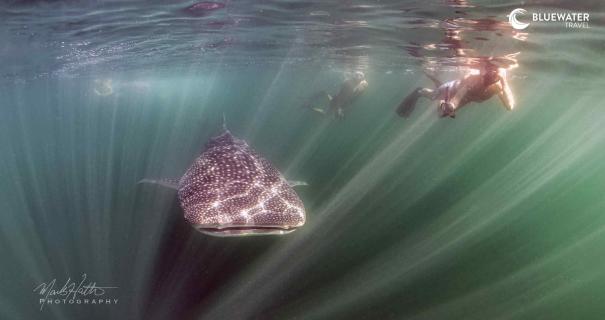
(453, 95)
(103, 87)
(349, 91)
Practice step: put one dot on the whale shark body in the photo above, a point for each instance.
(230, 190)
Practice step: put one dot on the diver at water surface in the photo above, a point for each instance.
(453, 95)
(348, 93)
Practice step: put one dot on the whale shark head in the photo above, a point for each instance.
(230, 190)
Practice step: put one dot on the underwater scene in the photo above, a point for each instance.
(302, 159)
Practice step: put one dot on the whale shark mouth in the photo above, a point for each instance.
(238, 231)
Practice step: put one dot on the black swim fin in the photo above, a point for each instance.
(315, 99)
(408, 104)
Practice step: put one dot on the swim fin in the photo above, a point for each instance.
(314, 100)
(408, 104)
(318, 109)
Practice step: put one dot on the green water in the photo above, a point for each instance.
(493, 215)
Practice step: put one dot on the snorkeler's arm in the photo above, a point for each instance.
(456, 94)
(361, 87)
(505, 95)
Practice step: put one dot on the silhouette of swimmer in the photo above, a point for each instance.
(103, 87)
(349, 91)
(453, 95)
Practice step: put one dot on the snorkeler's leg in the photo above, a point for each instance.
(433, 79)
(339, 114)
(315, 102)
(408, 104)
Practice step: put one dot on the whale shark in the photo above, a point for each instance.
(231, 190)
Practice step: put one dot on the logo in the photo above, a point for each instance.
(73, 293)
(575, 20)
(512, 19)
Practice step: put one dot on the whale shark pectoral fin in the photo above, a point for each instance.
(296, 183)
(168, 183)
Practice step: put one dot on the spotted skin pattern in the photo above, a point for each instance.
(230, 190)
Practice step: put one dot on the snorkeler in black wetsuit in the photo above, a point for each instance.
(349, 91)
(455, 94)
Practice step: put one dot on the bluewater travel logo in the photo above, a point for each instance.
(72, 293)
(574, 20)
